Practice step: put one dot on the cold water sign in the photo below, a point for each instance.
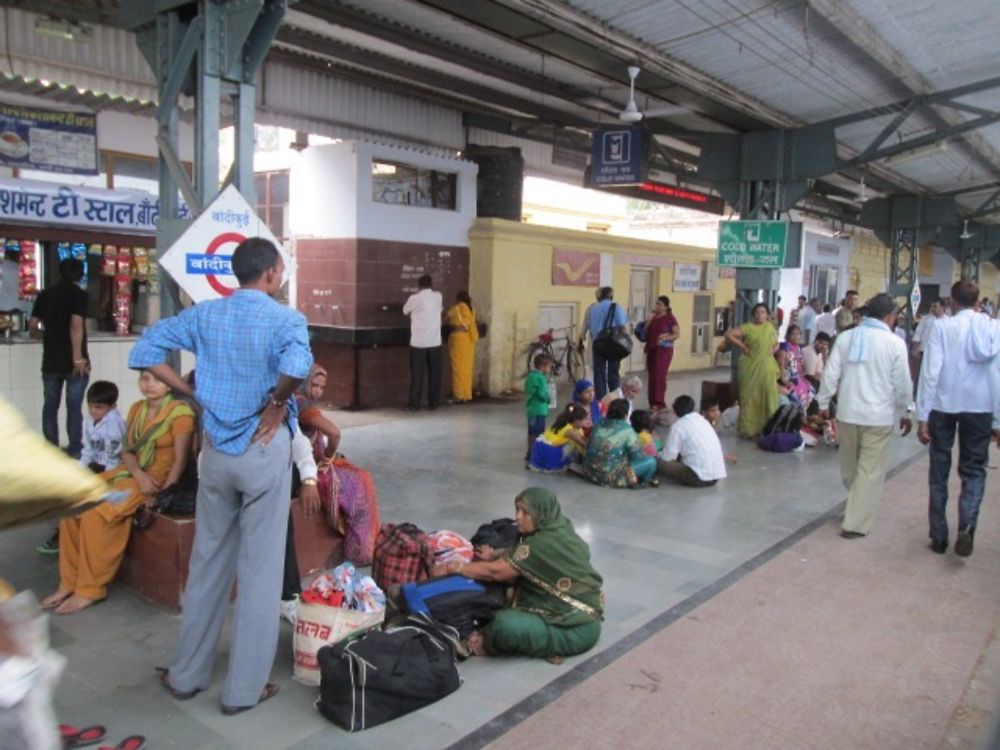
(618, 157)
(200, 261)
(752, 244)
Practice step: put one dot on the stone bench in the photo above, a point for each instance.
(156, 559)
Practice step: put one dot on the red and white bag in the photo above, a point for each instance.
(319, 625)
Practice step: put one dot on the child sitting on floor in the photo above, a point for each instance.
(563, 442)
(642, 423)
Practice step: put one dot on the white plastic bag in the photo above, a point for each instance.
(320, 625)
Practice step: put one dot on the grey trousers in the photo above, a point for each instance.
(242, 519)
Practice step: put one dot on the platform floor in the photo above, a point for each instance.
(736, 617)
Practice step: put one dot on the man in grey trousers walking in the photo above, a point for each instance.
(251, 353)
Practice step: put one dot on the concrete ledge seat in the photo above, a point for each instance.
(156, 559)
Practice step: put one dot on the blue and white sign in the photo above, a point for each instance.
(48, 140)
(200, 261)
(915, 297)
(48, 203)
(618, 157)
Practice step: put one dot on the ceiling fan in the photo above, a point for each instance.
(631, 112)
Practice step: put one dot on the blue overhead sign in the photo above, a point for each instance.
(619, 157)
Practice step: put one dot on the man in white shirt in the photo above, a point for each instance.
(958, 393)
(693, 454)
(926, 324)
(425, 308)
(814, 359)
(807, 320)
(870, 375)
(826, 323)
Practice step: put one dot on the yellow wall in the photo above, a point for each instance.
(511, 273)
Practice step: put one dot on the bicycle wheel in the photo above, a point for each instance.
(574, 363)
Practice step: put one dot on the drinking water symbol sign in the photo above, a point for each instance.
(200, 260)
(752, 244)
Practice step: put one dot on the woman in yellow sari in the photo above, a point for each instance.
(758, 371)
(158, 436)
(462, 346)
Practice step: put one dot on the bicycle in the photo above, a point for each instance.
(568, 356)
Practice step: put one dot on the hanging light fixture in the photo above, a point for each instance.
(862, 195)
(966, 234)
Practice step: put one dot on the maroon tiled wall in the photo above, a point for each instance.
(383, 374)
(353, 283)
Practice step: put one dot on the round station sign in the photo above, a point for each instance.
(200, 261)
(227, 238)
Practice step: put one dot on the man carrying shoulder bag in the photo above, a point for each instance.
(607, 325)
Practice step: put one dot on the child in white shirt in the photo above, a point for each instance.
(103, 428)
(103, 438)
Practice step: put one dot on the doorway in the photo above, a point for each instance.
(640, 303)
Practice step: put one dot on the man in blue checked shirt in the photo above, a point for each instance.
(251, 353)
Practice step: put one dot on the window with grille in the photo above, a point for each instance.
(410, 185)
(701, 324)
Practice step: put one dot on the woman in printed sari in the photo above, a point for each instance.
(614, 454)
(792, 367)
(557, 606)
(758, 371)
(462, 346)
(158, 435)
(347, 493)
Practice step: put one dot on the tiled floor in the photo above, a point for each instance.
(456, 468)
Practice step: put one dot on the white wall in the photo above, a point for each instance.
(136, 134)
(331, 191)
(323, 192)
(944, 270)
(821, 250)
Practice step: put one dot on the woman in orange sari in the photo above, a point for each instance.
(158, 435)
(462, 346)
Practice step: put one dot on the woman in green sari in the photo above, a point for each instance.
(558, 605)
(758, 371)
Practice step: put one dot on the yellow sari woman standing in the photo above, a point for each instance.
(462, 345)
(758, 371)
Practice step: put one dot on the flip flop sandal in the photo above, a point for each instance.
(270, 690)
(180, 695)
(72, 737)
(132, 742)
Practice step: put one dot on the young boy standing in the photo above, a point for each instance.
(536, 392)
(103, 437)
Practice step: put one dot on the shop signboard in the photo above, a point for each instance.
(752, 244)
(200, 261)
(49, 203)
(687, 277)
(575, 268)
(618, 157)
(48, 140)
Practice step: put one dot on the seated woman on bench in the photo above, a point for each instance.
(158, 437)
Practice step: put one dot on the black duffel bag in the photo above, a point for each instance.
(612, 342)
(387, 674)
(454, 600)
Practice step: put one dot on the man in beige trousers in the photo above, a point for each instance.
(869, 372)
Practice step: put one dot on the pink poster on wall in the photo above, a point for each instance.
(575, 268)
